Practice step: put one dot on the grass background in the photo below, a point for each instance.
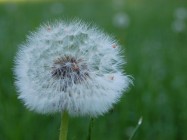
(156, 56)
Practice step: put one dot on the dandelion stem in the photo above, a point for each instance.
(64, 126)
(90, 128)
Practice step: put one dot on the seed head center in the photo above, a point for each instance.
(71, 70)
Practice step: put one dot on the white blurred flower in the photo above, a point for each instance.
(181, 13)
(121, 20)
(70, 67)
(178, 26)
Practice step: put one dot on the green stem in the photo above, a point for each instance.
(64, 126)
(136, 128)
(90, 128)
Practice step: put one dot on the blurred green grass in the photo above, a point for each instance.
(156, 57)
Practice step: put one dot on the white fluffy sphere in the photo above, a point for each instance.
(70, 67)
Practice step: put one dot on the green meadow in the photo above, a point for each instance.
(153, 34)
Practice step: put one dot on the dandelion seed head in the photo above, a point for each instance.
(70, 67)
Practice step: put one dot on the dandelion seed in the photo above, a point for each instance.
(49, 28)
(112, 78)
(114, 46)
(67, 69)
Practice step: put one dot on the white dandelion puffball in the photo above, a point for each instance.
(70, 67)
